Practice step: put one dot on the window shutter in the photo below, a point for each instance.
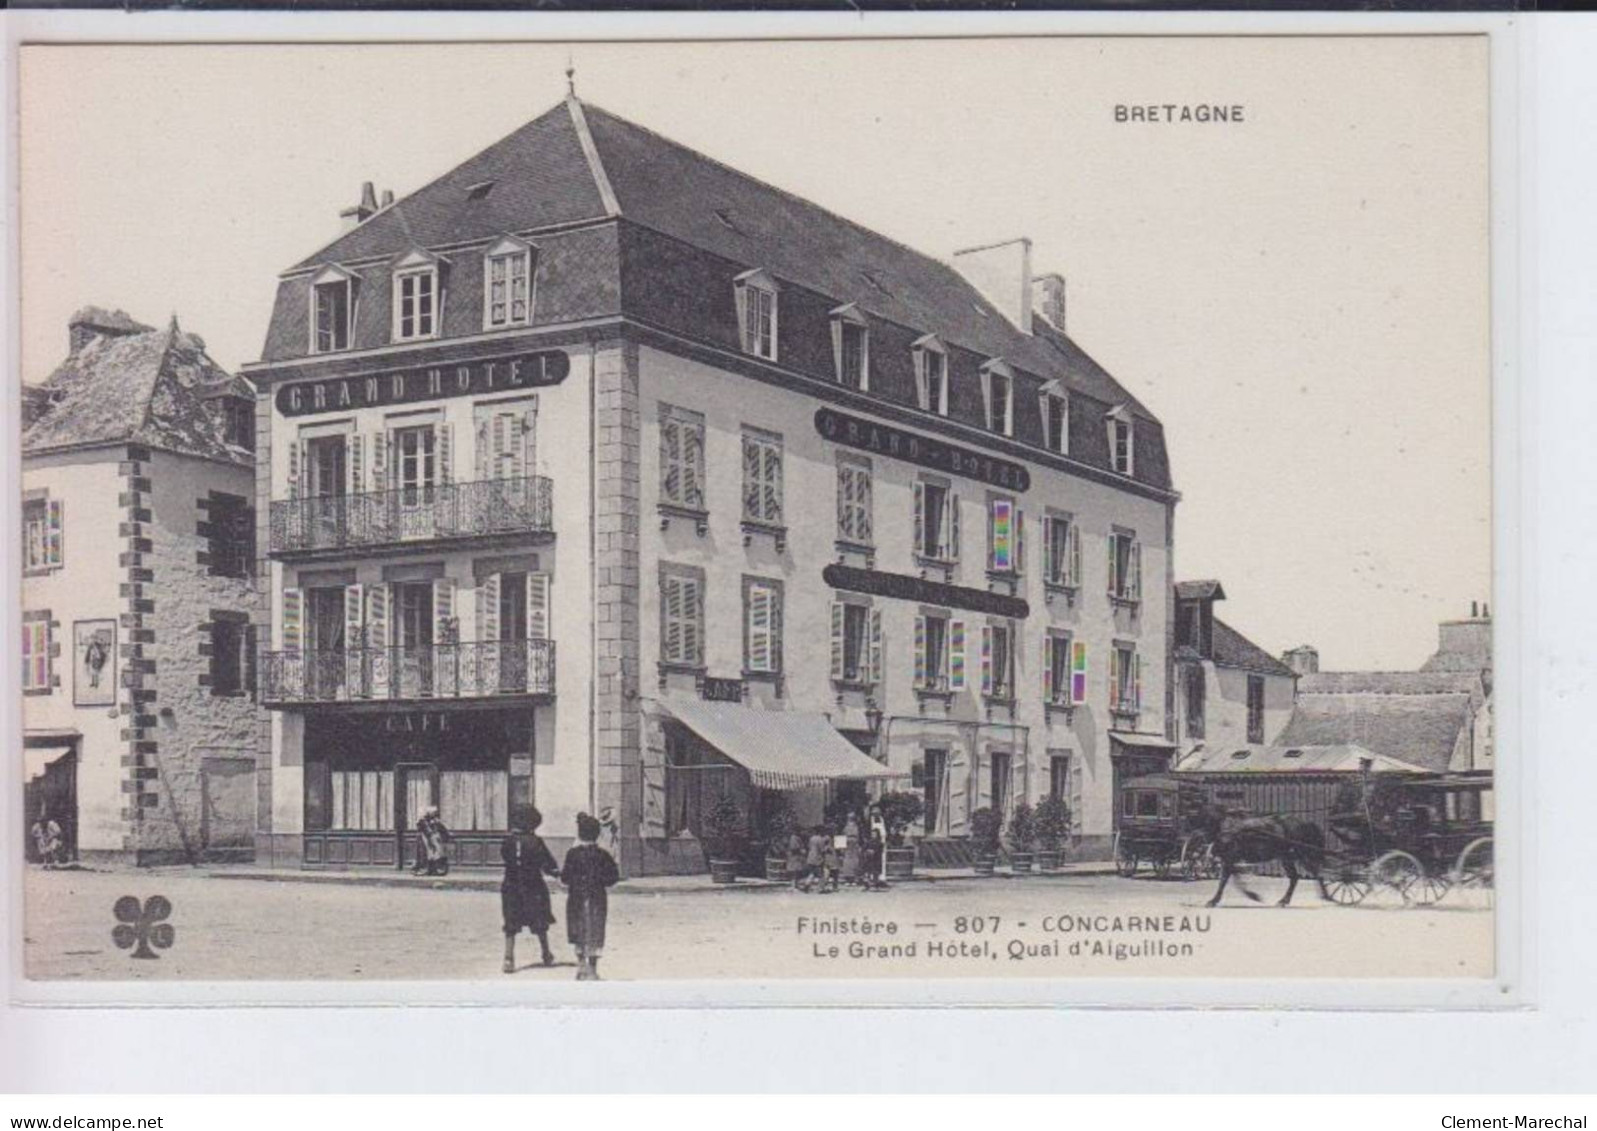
(379, 461)
(293, 620)
(354, 617)
(1136, 702)
(55, 533)
(671, 614)
(293, 468)
(956, 655)
(1020, 541)
(922, 394)
(671, 462)
(488, 610)
(845, 499)
(1078, 672)
(1073, 560)
(986, 660)
(987, 397)
(1114, 679)
(484, 445)
(1047, 669)
(529, 440)
(862, 500)
(876, 647)
(693, 465)
(357, 463)
(1134, 580)
(444, 629)
(920, 651)
(920, 517)
(1114, 578)
(1049, 571)
(692, 634)
(748, 316)
(838, 617)
(953, 527)
(251, 672)
(773, 483)
(446, 453)
(759, 629)
(837, 350)
(537, 606)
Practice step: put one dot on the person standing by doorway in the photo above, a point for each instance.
(432, 838)
(524, 896)
(588, 874)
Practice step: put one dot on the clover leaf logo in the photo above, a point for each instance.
(143, 925)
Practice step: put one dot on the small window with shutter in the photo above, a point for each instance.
(681, 616)
(762, 626)
(43, 534)
(682, 458)
(854, 501)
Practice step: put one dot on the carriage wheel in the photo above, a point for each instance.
(1193, 856)
(1347, 884)
(1402, 873)
(1125, 859)
(1474, 867)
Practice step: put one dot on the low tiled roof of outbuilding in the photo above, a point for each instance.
(1421, 729)
(144, 388)
(1233, 650)
(1390, 683)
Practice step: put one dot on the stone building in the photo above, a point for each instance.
(1229, 691)
(1439, 718)
(138, 596)
(806, 513)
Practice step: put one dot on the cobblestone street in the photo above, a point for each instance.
(226, 927)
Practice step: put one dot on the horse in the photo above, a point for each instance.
(1259, 840)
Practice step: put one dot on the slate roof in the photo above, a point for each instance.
(545, 174)
(1390, 683)
(1233, 650)
(1339, 758)
(1206, 590)
(144, 388)
(1420, 729)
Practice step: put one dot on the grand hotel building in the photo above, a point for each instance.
(598, 474)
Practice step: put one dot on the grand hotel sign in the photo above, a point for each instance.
(924, 451)
(425, 383)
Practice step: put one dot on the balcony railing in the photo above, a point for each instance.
(481, 508)
(430, 671)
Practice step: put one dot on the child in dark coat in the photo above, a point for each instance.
(524, 897)
(588, 874)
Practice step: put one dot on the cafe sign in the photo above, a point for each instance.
(923, 451)
(425, 383)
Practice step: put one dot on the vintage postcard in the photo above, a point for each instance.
(929, 510)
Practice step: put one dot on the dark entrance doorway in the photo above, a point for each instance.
(51, 793)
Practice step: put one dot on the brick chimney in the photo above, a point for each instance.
(1002, 273)
(93, 322)
(1048, 295)
(1303, 660)
(360, 213)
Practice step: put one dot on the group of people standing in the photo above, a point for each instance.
(852, 852)
(587, 873)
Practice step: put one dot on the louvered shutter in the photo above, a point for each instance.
(484, 445)
(692, 634)
(354, 640)
(529, 439)
(293, 624)
(357, 463)
(1134, 571)
(55, 533)
(921, 394)
(958, 783)
(863, 517)
(377, 635)
(759, 629)
(293, 468)
(984, 781)
(920, 518)
(920, 651)
(1136, 703)
(953, 527)
(1073, 560)
(693, 465)
(488, 609)
(537, 606)
(986, 660)
(1049, 572)
(839, 615)
(446, 634)
(876, 647)
(956, 655)
(748, 315)
(446, 453)
(1078, 672)
(1047, 669)
(773, 483)
(1114, 679)
(1114, 572)
(1020, 541)
(379, 461)
(845, 499)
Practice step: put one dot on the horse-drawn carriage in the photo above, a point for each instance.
(1164, 823)
(1414, 835)
(1418, 835)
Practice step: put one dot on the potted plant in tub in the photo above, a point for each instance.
(1022, 839)
(1052, 822)
(724, 833)
(899, 811)
(985, 826)
(779, 827)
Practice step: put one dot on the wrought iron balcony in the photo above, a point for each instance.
(484, 508)
(431, 671)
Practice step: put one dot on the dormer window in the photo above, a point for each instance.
(507, 295)
(416, 297)
(756, 306)
(1122, 440)
(332, 310)
(1055, 405)
(931, 374)
(851, 347)
(998, 391)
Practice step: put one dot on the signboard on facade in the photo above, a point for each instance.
(719, 690)
(907, 587)
(923, 451)
(425, 383)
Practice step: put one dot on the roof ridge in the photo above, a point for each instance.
(590, 150)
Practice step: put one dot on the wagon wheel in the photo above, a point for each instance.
(1402, 873)
(1347, 884)
(1125, 858)
(1475, 864)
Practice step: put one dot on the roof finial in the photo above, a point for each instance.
(571, 77)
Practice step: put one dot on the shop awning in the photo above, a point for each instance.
(780, 749)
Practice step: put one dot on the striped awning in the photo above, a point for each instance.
(780, 749)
